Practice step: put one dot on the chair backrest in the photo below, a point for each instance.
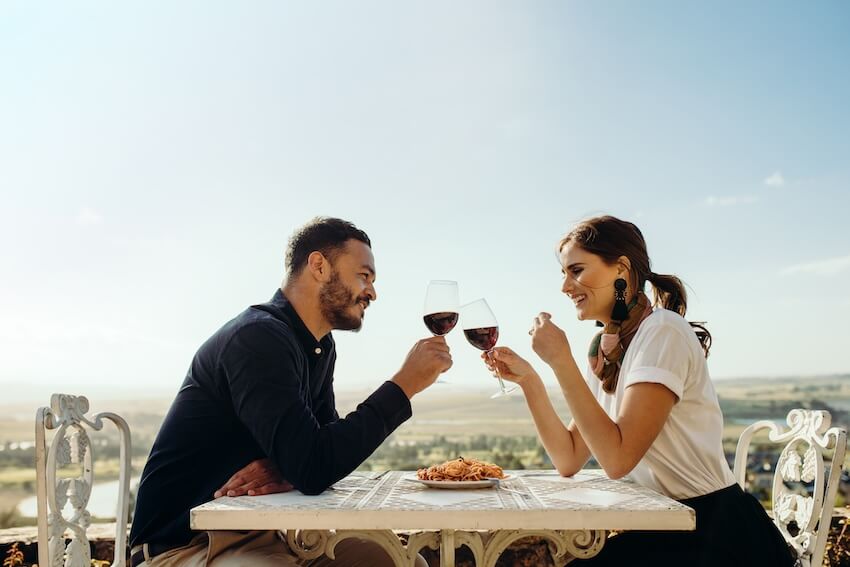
(71, 446)
(801, 460)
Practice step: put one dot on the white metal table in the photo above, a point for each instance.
(573, 514)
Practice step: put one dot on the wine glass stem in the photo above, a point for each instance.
(499, 377)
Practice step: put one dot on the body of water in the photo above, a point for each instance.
(102, 503)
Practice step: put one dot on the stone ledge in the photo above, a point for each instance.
(531, 551)
(101, 537)
(29, 534)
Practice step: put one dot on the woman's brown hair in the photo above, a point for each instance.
(610, 238)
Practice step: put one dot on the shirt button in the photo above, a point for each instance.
(318, 350)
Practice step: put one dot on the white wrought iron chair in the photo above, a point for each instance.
(71, 446)
(801, 460)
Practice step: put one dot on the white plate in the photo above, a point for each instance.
(485, 483)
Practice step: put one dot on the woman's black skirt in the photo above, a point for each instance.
(732, 529)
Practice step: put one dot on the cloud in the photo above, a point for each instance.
(828, 267)
(729, 201)
(88, 217)
(775, 180)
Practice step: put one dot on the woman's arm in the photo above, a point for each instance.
(564, 445)
(617, 445)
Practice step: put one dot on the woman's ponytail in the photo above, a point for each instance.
(670, 294)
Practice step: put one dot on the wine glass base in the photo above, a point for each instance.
(503, 393)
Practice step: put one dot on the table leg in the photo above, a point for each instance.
(564, 545)
(447, 548)
(311, 544)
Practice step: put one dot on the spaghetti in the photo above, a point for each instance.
(461, 469)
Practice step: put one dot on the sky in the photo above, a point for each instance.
(156, 156)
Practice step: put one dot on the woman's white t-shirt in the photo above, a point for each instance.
(686, 459)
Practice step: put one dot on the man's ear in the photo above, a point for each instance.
(319, 266)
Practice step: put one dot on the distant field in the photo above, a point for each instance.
(464, 414)
(834, 388)
(17, 421)
(442, 410)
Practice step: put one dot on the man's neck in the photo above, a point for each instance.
(306, 304)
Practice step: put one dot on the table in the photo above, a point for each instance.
(573, 514)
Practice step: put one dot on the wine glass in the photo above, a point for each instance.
(441, 308)
(482, 332)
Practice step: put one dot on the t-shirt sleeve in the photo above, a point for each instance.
(661, 355)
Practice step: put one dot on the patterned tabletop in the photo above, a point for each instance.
(527, 500)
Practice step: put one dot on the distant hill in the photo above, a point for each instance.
(446, 409)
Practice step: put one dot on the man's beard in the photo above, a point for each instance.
(335, 301)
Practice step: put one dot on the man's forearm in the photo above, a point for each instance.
(321, 455)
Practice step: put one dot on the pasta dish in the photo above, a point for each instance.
(461, 469)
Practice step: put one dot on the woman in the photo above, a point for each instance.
(647, 407)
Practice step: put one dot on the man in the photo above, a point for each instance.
(258, 401)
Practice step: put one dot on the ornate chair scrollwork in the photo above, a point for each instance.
(71, 445)
(802, 517)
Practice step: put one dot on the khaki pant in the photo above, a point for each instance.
(219, 548)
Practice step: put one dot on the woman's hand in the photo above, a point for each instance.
(549, 341)
(504, 362)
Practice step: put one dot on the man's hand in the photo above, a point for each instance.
(258, 477)
(426, 360)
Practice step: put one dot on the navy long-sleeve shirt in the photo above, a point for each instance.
(261, 386)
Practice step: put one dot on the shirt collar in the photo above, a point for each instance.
(305, 337)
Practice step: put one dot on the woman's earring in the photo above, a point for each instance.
(621, 310)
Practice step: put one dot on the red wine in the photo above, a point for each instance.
(484, 337)
(441, 323)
